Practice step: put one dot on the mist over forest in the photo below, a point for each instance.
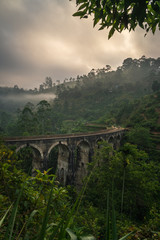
(13, 102)
(132, 73)
(98, 100)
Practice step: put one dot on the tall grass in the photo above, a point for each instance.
(111, 229)
(62, 230)
(59, 231)
(9, 231)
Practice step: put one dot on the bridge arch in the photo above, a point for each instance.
(32, 161)
(58, 159)
(98, 140)
(34, 146)
(83, 140)
(112, 141)
(83, 148)
(56, 144)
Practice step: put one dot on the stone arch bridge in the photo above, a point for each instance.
(74, 151)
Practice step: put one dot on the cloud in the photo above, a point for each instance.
(41, 38)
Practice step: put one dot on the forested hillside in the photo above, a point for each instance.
(103, 98)
(121, 194)
(128, 97)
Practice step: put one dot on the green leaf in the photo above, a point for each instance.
(158, 2)
(81, 1)
(88, 238)
(29, 220)
(2, 220)
(96, 20)
(111, 32)
(71, 234)
(102, 27)
(9, 231)
(79, 14)
(82, 6)
(126, 236)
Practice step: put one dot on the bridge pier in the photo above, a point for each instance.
(45, 161)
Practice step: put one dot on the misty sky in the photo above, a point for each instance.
(40, 38)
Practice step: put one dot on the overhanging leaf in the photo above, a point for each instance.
(111, 32)
(79, 14)
(82, 6)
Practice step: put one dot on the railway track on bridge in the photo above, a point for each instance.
(63, 136)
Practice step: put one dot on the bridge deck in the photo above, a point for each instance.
(63, 136)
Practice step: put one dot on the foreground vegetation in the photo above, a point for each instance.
(127, 186)
(121, 194)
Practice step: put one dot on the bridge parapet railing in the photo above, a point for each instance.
(61, 136)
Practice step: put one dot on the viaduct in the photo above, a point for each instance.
(74, 151)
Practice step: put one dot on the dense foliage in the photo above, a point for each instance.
(39, 208)
(32, 194)
(132, 182)
(119, 15)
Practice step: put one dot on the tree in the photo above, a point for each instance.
(26, 121)
(121, 14)
(155, 86)
(4, 119)
(41, 88)
(43, 115)
(16, 87)
(108, 68)
(48, 82)
(141, 137)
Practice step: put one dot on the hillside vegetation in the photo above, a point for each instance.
(121, 184)
(103, 98)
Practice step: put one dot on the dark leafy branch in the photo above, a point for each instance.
(118, 15)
